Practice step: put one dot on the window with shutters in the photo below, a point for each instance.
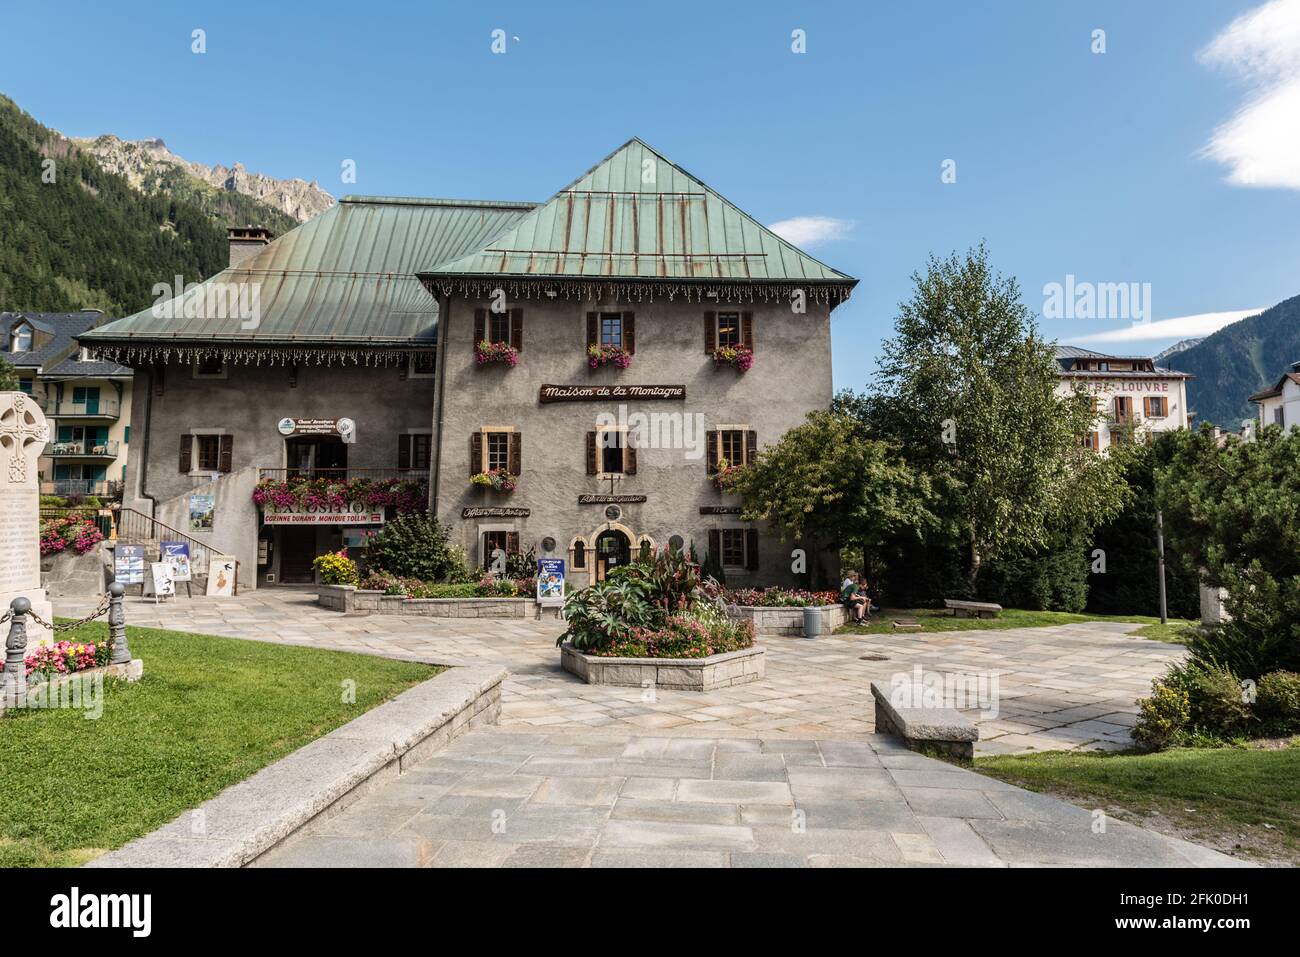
(728, 330)
(610, 452)
(1155, 407)
(734, 445)
(505, 327)
(1091, 440)
(611, 329)
(733, 547)
(413, 450)
(1279, 416)
(207, 453)
(497, 450)
(1123, 408)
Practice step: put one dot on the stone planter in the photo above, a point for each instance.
(680, 674)
(786, 621)
(349, 598)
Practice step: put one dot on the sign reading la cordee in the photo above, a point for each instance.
(597, 393)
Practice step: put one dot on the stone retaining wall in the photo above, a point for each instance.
(785, 621)
(679, 674)
(47, 693)
(349, 598)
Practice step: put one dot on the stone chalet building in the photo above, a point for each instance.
(359, 357)
(1280, 404)
(86, 401)
(1134, 397)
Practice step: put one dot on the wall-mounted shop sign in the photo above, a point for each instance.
(345, 429)
(720, 510)
(600, 393)
(493, 511)
(358, 513)
(610, 499)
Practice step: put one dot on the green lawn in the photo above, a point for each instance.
(940, 619)
(1221, 796)
(208, 713)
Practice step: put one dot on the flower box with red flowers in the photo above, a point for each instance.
(488, 352)
(598, 356)
(738, 357)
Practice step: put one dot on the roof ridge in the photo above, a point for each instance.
(355, 199)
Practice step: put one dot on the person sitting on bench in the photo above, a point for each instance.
(854, 597)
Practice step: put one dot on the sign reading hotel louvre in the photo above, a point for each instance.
(597, 393)
(357, 513)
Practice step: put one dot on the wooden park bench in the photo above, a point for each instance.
(944, 732)
(972, 609)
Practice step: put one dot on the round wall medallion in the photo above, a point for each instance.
(613, 513)
(548, 544)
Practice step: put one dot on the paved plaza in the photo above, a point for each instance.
(786, 771)
(1057, 688)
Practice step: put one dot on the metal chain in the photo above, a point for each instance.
(5, 617)
(68, 626)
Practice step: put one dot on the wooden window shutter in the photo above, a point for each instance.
(227, 448)
(403, 451)
(475, 452)
(593, 329)
(512, 543)
(517, 329)
(710, 332)
(747, 329)
(480, 326)
(715, 544)
(187, 451)
(591, 454)
(516, 453)
(629, 456)
(751, 446)
(711, 451)
(751, 549)
(629, 332)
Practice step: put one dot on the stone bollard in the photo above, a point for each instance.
(117, 625)
(14, 679)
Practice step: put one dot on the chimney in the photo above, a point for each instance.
(246, 241)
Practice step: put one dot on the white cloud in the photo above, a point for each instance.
(811, 230)
(1180, 327)
(1260, 145)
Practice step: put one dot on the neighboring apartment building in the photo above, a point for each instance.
(1280, 405)
(87, 401)
(1134, 396)
(363, 361)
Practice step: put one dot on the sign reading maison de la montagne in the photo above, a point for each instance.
(597, 393)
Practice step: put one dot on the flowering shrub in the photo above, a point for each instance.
(598, 356)
(326, 494)
(487, 587)
(739, 357)
(60, 534)
(66, 657)
(499, 480)
(682, 636)
(779, 597)
(336, 568)
(485, 352)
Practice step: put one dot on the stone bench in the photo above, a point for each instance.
(945, 732)
(972, 609)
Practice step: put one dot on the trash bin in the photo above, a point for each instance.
(812, 622)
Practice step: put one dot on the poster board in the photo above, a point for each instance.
(550, 581)
(128, 564)
(221, 576)
(163, 586)
(177, 554)
(203, 510)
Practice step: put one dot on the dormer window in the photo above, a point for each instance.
(20, 339)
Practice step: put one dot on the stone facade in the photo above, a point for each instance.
(790, 377)
(348, 598)
(786, 621)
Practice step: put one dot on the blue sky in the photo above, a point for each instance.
(1068, 162)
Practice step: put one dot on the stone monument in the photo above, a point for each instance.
(23, 434)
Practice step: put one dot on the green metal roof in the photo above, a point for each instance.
(346, 277)
(612, 224)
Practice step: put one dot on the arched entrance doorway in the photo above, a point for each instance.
(613, 548)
